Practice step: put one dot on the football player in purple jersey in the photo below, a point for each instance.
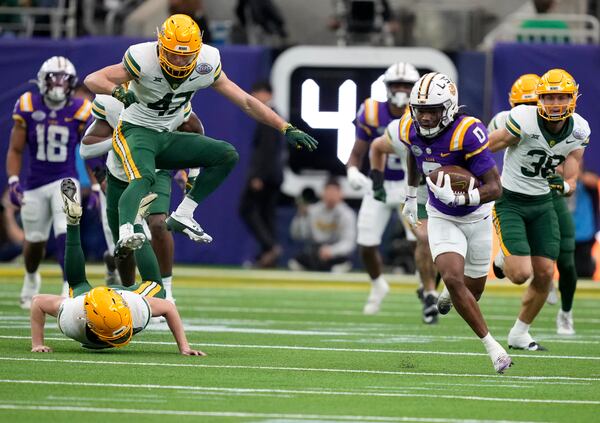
(50, 124)
(459, 224)
(373, 217)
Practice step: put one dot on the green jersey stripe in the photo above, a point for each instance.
(511, 120)
(133, 62)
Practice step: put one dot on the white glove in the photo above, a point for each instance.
(445, 193)
(356, 179)
(409, 211)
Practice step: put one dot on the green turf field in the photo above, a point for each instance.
(281, 349)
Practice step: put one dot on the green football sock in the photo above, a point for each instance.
(567, 282)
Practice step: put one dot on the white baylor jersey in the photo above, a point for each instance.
(498, 121)
(400, 149)
(160, 101)
(108, 108)
(528, 163)
(71, 317)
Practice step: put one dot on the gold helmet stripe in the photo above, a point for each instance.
(425, 83)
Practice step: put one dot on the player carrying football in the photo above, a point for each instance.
(50, 123)
(523, 92)
(537, 140)
(459, 223)
(166, 75)
(104, 317)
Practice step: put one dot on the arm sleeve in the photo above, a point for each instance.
(347, 239)
(95, 150)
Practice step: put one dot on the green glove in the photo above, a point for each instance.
(126, 97)
(298, 138)
(378, 190)
(557, 183)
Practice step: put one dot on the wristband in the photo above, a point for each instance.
(474, 198)
(95, 187)
(566, 187)
(411, 191)
(13, 178)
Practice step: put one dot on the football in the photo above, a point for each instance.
(459, 176)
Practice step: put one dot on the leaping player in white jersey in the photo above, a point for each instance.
(97, 142)
(537, 140)
(166, 75)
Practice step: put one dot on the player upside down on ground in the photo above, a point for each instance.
(104, 317)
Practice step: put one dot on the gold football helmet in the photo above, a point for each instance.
(557, 94)
(179, 43)
(523, 90)
(108, 316)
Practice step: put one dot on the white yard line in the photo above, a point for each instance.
(329, 392)
(491, 377)
(358, 350)
(306, 417)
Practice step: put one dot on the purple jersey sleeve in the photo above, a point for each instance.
(363, 130)
(22, 111)
(478, 156)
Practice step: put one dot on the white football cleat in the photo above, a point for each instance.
(444, 303)
(501, 361)
(552, 297)
(564, 323)
(523, 341)
(128, 240)
(28, 290)
(71, 206)
(379, 289)
(188, 226)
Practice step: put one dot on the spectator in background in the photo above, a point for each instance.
(263, 13)
(265, 174)
(586, 216)
(328, 230)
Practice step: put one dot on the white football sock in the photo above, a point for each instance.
(520, 327)
(490, 344)
(33, 278)
(186, 207)
(167, 285)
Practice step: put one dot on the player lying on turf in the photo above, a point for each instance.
(459, 224)
(104, 317)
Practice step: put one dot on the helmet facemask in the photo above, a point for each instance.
(178, 64)
(58, 86)
(557, 106)
(430, 120)
(398, 92)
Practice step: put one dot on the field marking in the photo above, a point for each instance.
(491, 376)
(328, 349)
(329, 392)
(306, 417)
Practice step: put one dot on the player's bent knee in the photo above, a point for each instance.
(231, 156)
(156, 223)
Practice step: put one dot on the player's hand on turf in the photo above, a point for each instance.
(41, 349)
(189, 351)
(409, 211)
(444, 193)
(15, 193)
(298, 138)
(557, 183)
(378, 189)
(127, 97)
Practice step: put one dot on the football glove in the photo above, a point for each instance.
(445, 193)
(378, 189)
(410, 210)
(356, 178)
(15, 191)
(126, 97)
(298, 138)
(558, 184)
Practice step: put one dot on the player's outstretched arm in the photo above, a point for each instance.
(40, 306)
(379, 149)
(262, 113)
(108, 80)
(501, 139)
(167, 309)
(357, 179)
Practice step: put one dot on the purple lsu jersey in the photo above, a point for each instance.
(372, 119)
(52, 136)
(464, 143)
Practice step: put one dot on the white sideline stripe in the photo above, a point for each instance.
(299, 391)
(361, 350)
(248, 415)
(538, 379)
